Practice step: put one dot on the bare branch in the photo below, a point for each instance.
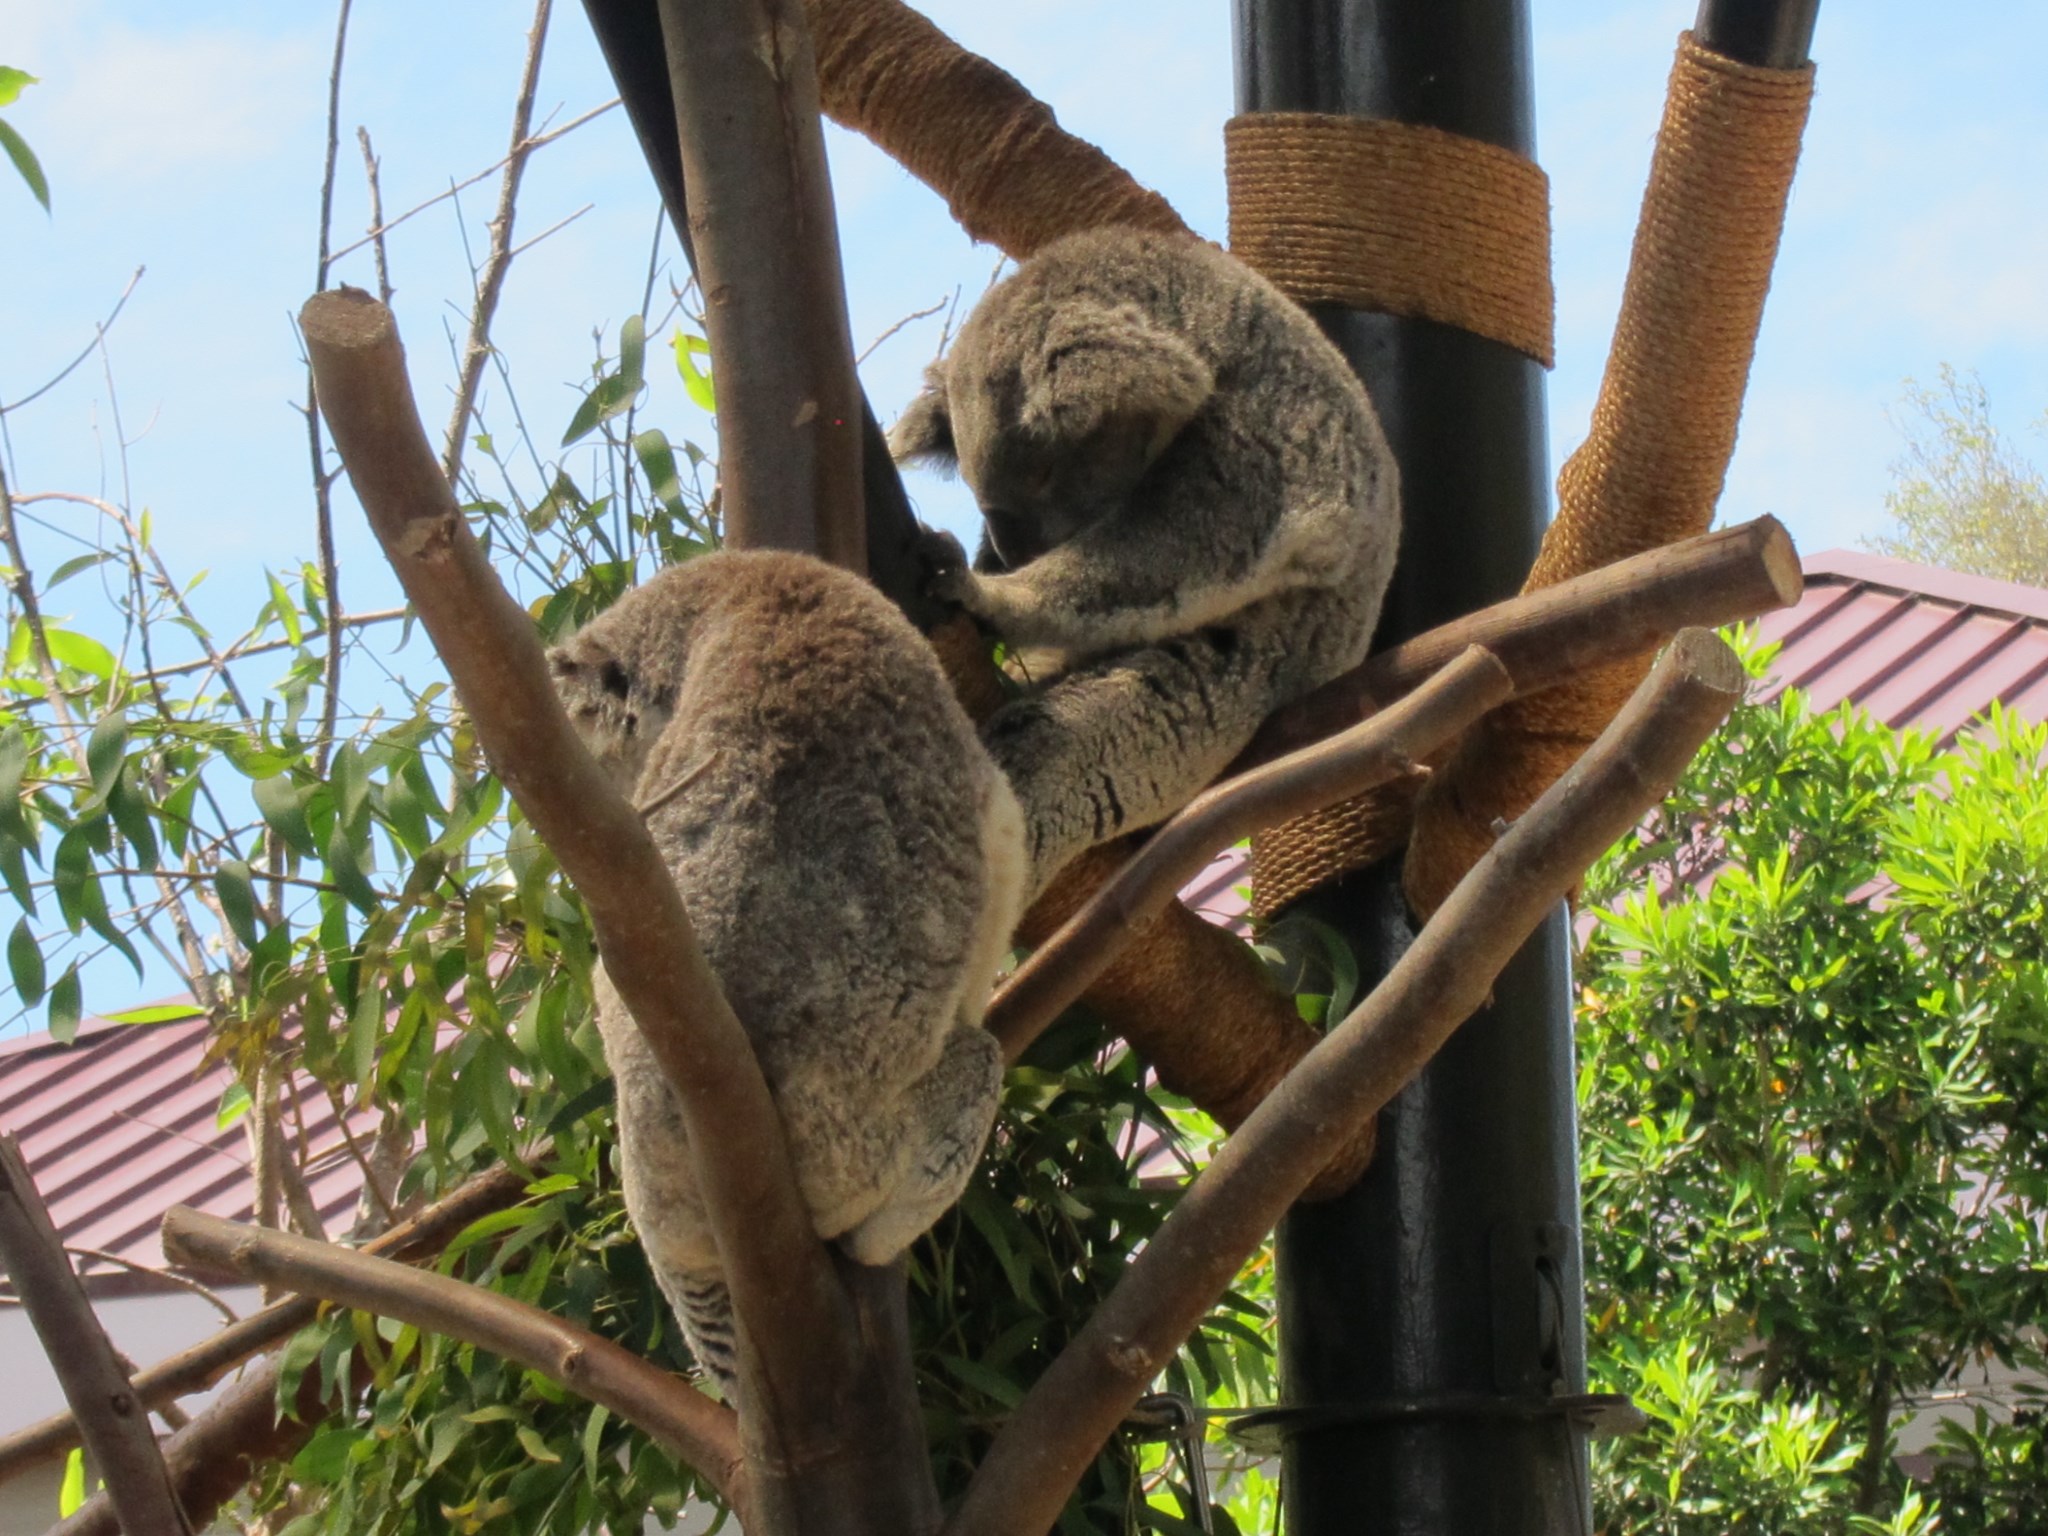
(766, 251)
(115, 1426)
(525, 147)
(498, 258)
(381, 257)
(776, 1266)
(669, 1410)
(1442, 978)
(197, 1368)
(32, 617)
(1344, 765)
(1547, 637)
(99, 336)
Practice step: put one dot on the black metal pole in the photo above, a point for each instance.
(1430, 1319)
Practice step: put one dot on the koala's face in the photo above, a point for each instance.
(618, 721)
(1053, 407)
(1037, 491)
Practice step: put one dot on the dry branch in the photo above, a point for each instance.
(115, 1426)
(674, 1414)
(1335, 769)
(775, 1264)
(1442, 978)
(197, 1368)
(1548, 637)
(766, 250)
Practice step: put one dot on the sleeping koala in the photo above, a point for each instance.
(852, 864)
(1188, 499)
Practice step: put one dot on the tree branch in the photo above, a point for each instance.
(115, 1426)
(1442, 978)
(766, 246)
(669, 1410)
(776, 1267)
(1548, 637)
(199, 1367)
(1344, 765)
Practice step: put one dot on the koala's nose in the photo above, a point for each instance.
(1015, 539)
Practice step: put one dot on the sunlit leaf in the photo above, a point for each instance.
(71, 1492)
(284, 812)
(80, 651)
(67, 1006)
(12, 82)
(234, 1104)
(696, 380)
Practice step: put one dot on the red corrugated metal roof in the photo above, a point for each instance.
(120, 1125)
(1912, 644)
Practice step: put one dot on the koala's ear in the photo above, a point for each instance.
(923, 434)
(1104, 360)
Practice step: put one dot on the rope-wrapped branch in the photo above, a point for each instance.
(1651, 469)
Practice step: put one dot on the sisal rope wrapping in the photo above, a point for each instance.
(1652, 466)
(1009, 173)
(1397, 218)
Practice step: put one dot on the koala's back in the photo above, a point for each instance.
(828, 840)
(850, 861)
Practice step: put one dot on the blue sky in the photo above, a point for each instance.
(187, 140)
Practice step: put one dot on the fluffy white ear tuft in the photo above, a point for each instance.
(923, 434)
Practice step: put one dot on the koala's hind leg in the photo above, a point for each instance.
(946, 1118)
(703, 1305)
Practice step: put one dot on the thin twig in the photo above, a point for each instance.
(915, 315)
(1442, 978)
(323, 483)
(677, 1416)
(379, 254)
(167, 1277)
(525, 147)
(114, 1425)
(498, 257)
(98, 337)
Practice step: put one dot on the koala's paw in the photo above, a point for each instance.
(947, 575)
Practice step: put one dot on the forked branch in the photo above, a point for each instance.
(1442, 978)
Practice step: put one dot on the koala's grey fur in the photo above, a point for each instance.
(852, 864)
(1188, 498)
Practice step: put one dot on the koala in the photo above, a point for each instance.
(851, 862)
(1188, 500)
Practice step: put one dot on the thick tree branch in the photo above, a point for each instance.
(670, 1411)
(1335, 769)
(1548, 637)
(775, 1265)
(745, 90)
(115, 1426)
(1443, 977)
(195, 1369)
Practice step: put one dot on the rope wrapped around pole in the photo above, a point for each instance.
(1651, 469)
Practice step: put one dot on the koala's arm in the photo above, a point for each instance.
(1134, 577)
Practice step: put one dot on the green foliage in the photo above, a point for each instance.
(12, 82)
(1962, 497)
(1814, 1110)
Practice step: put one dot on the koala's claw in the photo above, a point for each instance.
(947, 575)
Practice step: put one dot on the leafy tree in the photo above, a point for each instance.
(1814, 1106)
(1962, 496)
